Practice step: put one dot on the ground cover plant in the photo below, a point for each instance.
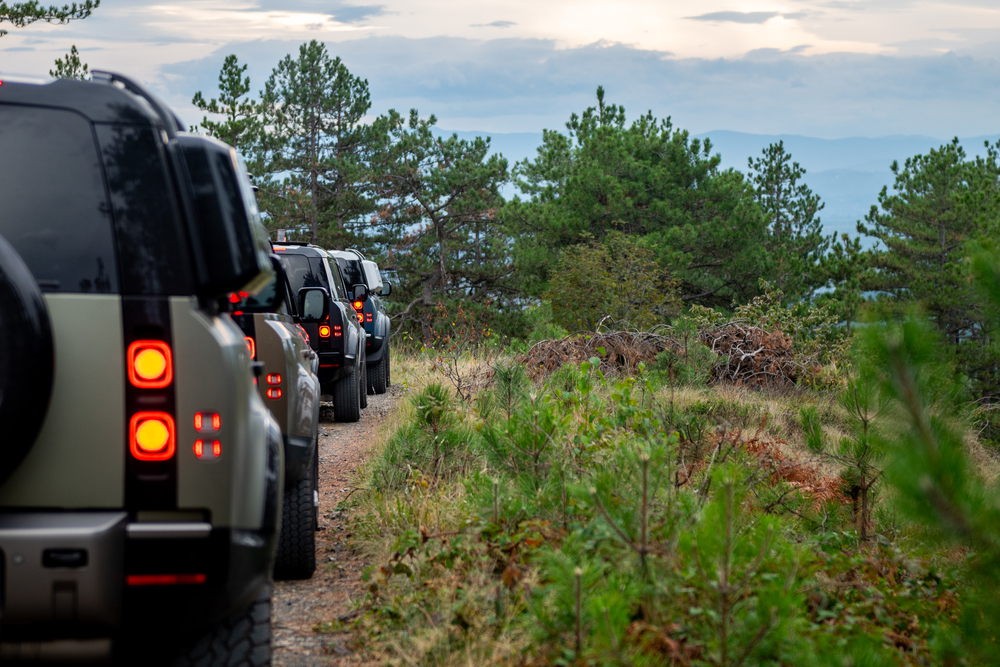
(598, 518)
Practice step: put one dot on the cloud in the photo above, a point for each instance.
(735, 17)
(495, 24)
(356, 13)
(524, 85)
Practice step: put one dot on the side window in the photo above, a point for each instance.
(54, 203)
(151, 245)
(338, 281)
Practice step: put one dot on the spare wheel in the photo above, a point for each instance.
(26, 359)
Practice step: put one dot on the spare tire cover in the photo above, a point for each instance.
(27, 359)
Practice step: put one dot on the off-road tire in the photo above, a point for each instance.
(363, 389)
(346, 401)
(388, 365)
(242, 640)
(316, 487)
(376, 377)
(296, 557)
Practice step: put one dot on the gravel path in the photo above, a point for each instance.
(300, 605)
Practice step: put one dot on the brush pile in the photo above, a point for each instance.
(752, 357)
(622, 351)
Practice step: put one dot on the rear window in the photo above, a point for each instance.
(305, 271)
(150, 238)
(54, 207)
(352, 272)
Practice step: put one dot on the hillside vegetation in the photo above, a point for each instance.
(665, 420)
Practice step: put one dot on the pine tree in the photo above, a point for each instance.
(444, 193)
(21, 14)
(646, 179)
(315, 110)
(791, 211)
(242, 125)
(70, 66)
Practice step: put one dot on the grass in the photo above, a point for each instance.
(608, 521)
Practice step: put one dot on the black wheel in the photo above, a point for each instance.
(297, 541)
(242, 640)
(346, 398)
(26, 359)
(388, 365)
(363, 389)
(376, 377)
(316, 487)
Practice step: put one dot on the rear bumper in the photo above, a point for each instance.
(81, 576)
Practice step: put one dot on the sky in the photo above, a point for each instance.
(819, 68)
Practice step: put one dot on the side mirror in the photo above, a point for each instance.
(314, 304)
(386, 289)
(361, 292)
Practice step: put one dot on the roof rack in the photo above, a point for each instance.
(171, 123)
(300, 243)
(356, 252)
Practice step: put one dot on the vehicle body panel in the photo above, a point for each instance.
(78, 459)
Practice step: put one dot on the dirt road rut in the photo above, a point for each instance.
(301, 605)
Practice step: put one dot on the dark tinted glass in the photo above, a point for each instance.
(338, 281)
(53, 203)
(233, 199)
(352, 272)
(304, 272)
(150, 241)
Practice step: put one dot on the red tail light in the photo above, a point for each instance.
(273, 378)
(337, 331)
(358, 305)
(368, 317)
(324, 331)
(151, 436)
(252, 346)
(274, 393)
(150, 364)
(165, 579)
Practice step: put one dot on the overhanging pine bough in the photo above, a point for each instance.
(21, 14)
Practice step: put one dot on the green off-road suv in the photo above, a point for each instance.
(289, 387)
(140, 471)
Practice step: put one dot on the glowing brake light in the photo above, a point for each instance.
(252, 346)
(151, 436)
(361, 318)
(234, 298)
(273, 378)
(358, 305)
(203, 421)
(324, 331)
(274, 393)
(165, 579)
(149, 364)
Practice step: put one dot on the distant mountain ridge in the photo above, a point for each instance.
(846, 173)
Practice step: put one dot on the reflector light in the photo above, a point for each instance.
(368, 317)
(324, 331)
(274, 393)
(358, 305)
(216, 449)
(198, 421)
(151, 436)
(150, 365)
(165, 579)
(252, 346)
(274, 378)
(237, 312)
(361, 318)
(234, 298)
(244, 295)
(216, 422)
(199, 448)
(337, 332)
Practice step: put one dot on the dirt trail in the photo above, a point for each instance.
(301, 605)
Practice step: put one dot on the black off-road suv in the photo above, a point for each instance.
(140, 472)
(338, 337)
(371, 311)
